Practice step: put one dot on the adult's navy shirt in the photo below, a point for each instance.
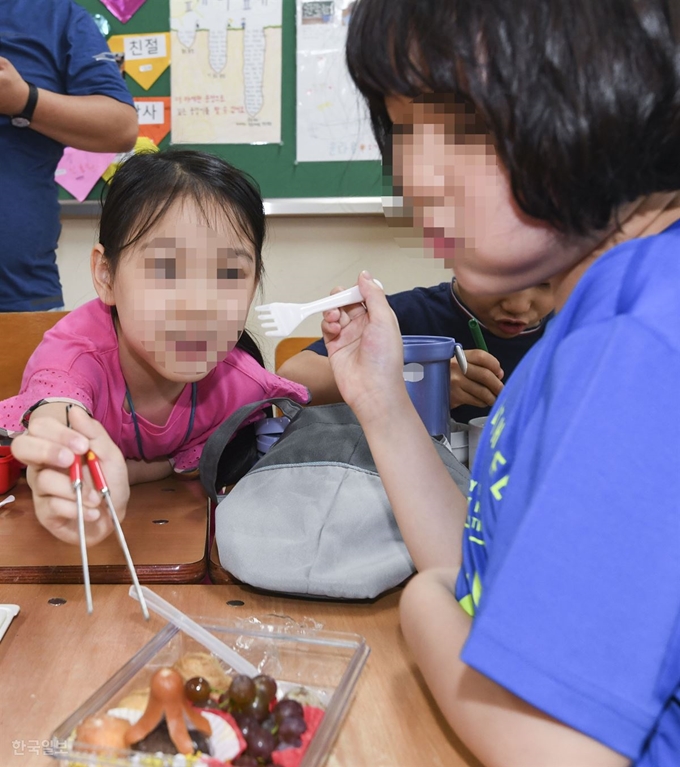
(437, 311)
(52, 44)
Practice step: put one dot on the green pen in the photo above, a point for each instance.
(476, 331)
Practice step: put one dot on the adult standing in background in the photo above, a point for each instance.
(55, 91)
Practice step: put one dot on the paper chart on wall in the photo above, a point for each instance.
(226, 71)
(332, 120)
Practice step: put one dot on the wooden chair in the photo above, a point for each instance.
(20, 333)
(289, 347)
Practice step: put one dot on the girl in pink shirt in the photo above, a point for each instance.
(161, 357)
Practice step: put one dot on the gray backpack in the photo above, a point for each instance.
(311, 517)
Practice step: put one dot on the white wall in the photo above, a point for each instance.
(305, 257)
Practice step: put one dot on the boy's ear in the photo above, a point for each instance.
(101, 275)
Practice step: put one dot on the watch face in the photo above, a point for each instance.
(20, 122)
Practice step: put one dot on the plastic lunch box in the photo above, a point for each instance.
(326, 663)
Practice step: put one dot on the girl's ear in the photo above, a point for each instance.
(101, 275)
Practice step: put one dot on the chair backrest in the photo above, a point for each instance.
(289, 347)
(20, 333)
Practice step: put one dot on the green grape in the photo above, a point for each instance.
(266, 683)
(197, 690)
(242, 691)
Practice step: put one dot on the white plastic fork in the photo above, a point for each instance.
(280, 319)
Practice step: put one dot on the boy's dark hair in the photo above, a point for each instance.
(146, 186)
(581, 98)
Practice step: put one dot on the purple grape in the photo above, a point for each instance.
(291, 728)
(245, 760)
(270, 724)
(285, 708)
(245, 722)
(258, 707)
(260, 743)
(283, 746)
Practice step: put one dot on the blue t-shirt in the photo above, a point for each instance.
(437, 311)
(52, 44)
(571, 553)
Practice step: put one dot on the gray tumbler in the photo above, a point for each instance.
(427, 361)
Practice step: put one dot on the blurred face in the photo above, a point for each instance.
(506, 316)
(461, 199)
(183, 292)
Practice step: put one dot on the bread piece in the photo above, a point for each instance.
(203, 664)
(136, 700)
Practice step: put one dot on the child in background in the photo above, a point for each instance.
(161, 358)
(536, 140)
(510, 324)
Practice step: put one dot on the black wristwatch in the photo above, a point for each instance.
(23, 120)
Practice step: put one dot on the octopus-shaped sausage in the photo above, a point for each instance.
(167, 697)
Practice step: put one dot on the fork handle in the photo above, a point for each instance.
(350, 296)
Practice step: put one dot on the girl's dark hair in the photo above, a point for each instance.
(148, 184)
(580, 97)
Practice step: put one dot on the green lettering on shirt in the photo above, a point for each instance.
(498, 486)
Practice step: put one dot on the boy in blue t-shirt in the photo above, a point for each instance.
(533, 141)
(510, 325)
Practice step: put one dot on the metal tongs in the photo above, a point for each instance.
(76, 474)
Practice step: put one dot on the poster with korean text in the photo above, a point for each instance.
(226, 71)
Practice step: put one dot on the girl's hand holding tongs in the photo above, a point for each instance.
(48, 448)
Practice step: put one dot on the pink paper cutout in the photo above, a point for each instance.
(123, 10)
(78, 171)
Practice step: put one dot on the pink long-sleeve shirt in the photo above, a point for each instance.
(78, 360)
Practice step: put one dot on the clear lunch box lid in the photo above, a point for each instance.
(327, 664)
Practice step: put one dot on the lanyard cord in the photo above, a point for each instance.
(138, 435)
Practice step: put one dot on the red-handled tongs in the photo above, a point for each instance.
(97, 474)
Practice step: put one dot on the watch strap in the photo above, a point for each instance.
(27, 112)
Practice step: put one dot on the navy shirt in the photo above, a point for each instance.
(52, 44)
(437, 311)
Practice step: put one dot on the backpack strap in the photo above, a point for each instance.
(218, 464)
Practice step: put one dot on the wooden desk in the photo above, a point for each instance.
(53, 658)
(173, 551)
(215, 570)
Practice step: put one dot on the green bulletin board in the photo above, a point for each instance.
(273, 166)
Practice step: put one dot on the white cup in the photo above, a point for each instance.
(476, 428)
(459, 441)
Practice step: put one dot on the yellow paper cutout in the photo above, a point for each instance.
(146, 56)
(143, 144)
